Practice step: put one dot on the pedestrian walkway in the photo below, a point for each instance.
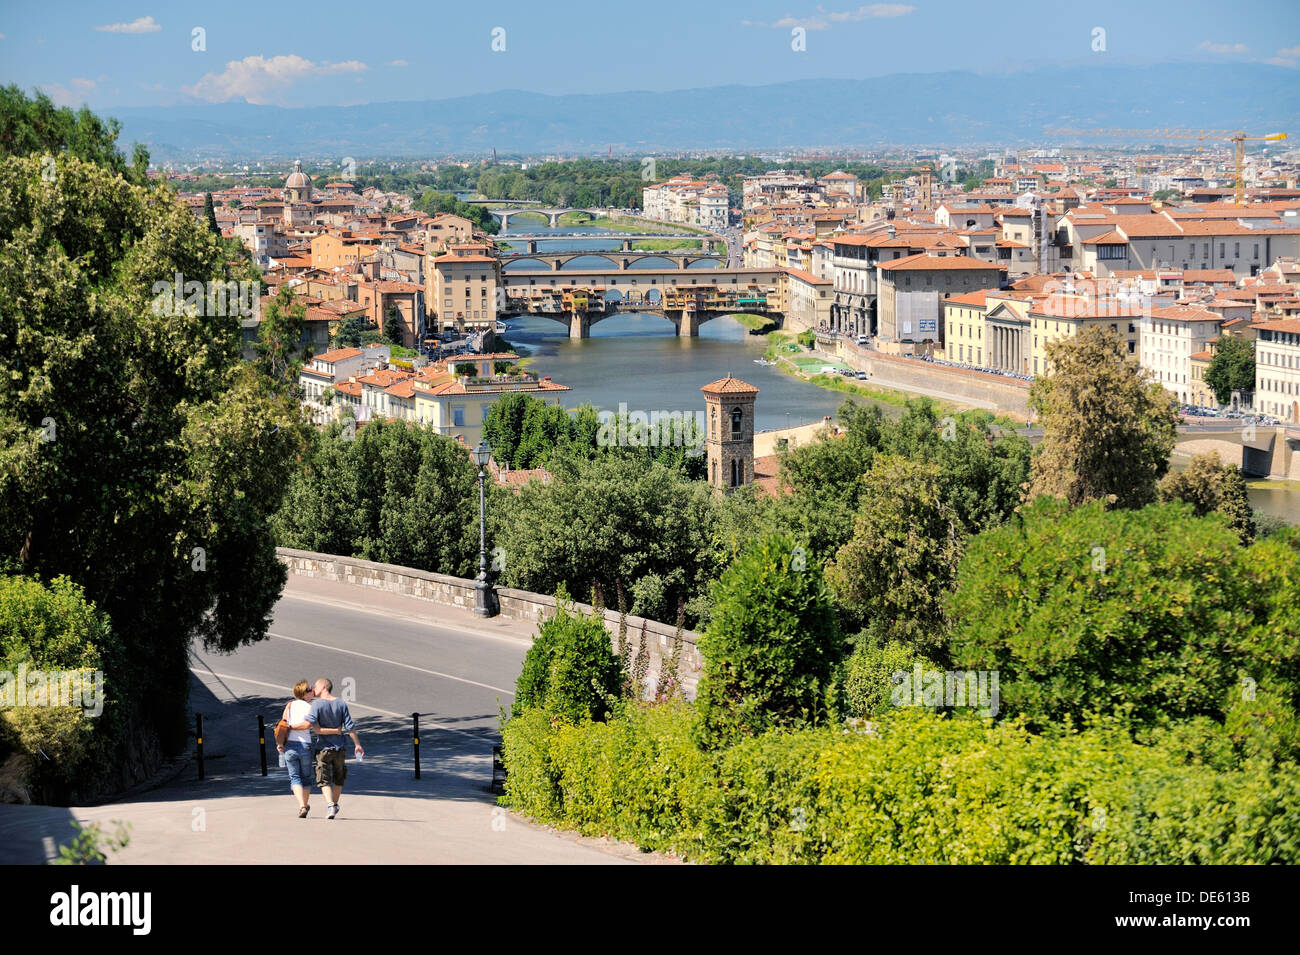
(236, 815)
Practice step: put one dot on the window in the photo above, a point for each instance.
(1222, 246)
(1236, 250)
(736, 419)
(458, 416)
(737, 472)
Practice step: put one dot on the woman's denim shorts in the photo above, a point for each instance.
(297, 759)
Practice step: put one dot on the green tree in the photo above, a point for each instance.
(613, 521)
(1106, 431)
(1232, 368)
(395, 493)
(394, 327)
(503, 429)
(903, 555)
(36, 127)
(570, 669)
(1210, 486)
(771, 649)
(279, 344)
(1151, 615)
(138, 454)
(210, 215)
(351, 332)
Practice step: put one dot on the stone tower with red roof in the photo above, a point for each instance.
(729, 404)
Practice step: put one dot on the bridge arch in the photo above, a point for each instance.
(537, 263)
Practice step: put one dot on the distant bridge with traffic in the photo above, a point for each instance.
(620, 260)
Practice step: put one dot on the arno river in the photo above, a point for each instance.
(638, 360)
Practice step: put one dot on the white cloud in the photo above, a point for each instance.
(259, 79)
(140, 25)
(399, 63)
(1289, 58)
(823, 19)
(1222, 47)
(74, 94)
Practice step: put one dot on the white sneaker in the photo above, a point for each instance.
(334, 810)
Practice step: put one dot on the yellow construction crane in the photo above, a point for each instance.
(1234, 136)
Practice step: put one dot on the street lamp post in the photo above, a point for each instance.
(484, 605)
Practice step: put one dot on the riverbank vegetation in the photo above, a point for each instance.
(1094, 725)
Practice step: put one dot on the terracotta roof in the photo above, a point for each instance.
(923, 262)
(1280, 325)
(1186, 313)
(729, 386)
(1209, 275)
(337, 354)
(969, 299)
(808, 277)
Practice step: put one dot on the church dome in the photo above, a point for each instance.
(298, 179)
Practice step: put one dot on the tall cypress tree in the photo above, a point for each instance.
(210, 214)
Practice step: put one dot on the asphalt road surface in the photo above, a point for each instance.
(393, 656)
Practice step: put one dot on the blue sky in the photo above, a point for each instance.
(111, 54)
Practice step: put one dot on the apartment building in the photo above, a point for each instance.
(1169, 336)
(456, 404)
(1009, 330)
(1277, 369)
(319, 376)
(461, 288)
(911, 289)
(1104, 243)
(698, 202)
(264, 239)
(342, 248)
(810, 300)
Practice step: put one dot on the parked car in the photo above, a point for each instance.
(863, 340)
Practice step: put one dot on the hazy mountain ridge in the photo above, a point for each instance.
(953, 108)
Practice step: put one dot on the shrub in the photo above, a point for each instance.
(918, 789)
(635, 777)
(54, 628)
(771, 648)
(571, 670)
(868, 677)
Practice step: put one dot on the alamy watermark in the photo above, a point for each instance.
(207, 298)
(977, 689)
(653, 429)
(83, 688)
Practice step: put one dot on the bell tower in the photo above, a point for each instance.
(729, 408)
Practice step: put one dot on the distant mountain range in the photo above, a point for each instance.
(923, 109)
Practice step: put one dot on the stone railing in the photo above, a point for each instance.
(513, 605)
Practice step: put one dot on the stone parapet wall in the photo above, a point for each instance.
(513, 604)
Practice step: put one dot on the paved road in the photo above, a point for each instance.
(399, 655)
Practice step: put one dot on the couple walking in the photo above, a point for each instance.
(314, 708)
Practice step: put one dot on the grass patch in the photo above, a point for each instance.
(660, 245)
(755, 323)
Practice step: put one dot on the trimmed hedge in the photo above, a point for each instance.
(915, 788)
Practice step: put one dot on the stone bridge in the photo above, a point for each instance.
(657, 292)
(552, 215)
(619, 260)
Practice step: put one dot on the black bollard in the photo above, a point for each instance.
(261, 741)
(416, 737)
(198, 734)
